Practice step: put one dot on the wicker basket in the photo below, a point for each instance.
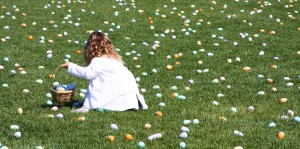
(62, 96)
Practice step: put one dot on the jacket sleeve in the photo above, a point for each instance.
(89, 72)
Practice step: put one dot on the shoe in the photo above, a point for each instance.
(81, 110)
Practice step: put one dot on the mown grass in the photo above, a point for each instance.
(133, 18)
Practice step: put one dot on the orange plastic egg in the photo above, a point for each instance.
(128, 137)
(158, 113)
(23, 25)
(280, 135)
(246, 69)
(176, 56)
(274, 66)
(51, 76)
(270, 80)
(111, 138)
(282, 100)
(30, 37)
(78, 52)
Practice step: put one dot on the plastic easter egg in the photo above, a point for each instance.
(49, 56)
(181, 97)
(80, 119)
(187, 122)
(282, 100)
(238, 147)
(161, 104)
(51, 116)
(183, 135)
(51, 76)
(14, 127)
(195, 121)
(158, 95)
(233, 109)
(297, 119)
(284, 117)
(78, 52)
(147, 125)
(55, 83)
(49, 102)
(114, 127)
(70, 86)
(6, 59)
(111, 138)
(272, 125)
(280, 135)
(13, 72)
(158, 114)
(3, 147)
(39, 81)
(59, 115)
(182, 145)
(29, 37)
(20, 111)
(83, 90)
(184, 129)
(60, 89)
(141, 144)
(26, 91)
(246, 69)
(17, 134)
(54, 108)
(215, 103)
(128, 137)
(5, 85)
(250, 108)
(154, 136)
(48, 95)
(222, 118)
(39, 147)
(67, 56)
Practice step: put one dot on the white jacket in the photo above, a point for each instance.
(112, 86)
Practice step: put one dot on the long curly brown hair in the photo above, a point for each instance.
(98, 44)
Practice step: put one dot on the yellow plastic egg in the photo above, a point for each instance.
(20, 111)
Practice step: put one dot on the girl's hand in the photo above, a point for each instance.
(65, 65)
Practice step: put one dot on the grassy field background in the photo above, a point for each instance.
(208, 44)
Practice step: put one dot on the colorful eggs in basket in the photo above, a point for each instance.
(68, 87)
(71, 86)
(60, 89)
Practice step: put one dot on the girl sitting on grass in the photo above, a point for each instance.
(112, 86)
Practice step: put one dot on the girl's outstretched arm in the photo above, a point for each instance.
(88, 72)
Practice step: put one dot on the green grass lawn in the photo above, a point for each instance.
(207, 44)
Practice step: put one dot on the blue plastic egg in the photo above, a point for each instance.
(49, 102)
(272, 125)
(297, 119)
(182, 145)
(141, 145)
